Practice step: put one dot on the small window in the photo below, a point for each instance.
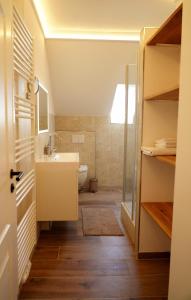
(131, 103)
(118, 107)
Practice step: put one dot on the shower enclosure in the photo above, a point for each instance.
(131, 148)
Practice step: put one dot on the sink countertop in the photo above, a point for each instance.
(59, 158)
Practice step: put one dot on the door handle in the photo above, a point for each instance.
(12, 188)
(18, 174)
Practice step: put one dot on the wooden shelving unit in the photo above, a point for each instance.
(160, 82)
(172, 95)
(161, 213)
(169, 159)
(170, 31)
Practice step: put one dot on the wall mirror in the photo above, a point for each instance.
(42, 109)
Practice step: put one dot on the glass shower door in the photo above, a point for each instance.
(130, 143)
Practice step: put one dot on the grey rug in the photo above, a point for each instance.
(100, 222)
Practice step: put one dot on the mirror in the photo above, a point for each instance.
(42, 107)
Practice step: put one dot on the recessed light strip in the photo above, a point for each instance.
(41, 15)
(132, 37)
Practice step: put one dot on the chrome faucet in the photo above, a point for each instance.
(48, 149)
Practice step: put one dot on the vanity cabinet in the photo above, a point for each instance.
(57, 187)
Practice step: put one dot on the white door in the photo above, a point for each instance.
(8, 242)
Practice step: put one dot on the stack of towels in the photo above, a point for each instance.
(166, 143)
(164, 146)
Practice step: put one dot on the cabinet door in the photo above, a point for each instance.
(57, 192)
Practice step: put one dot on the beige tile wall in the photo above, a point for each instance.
(63, 143)
(103, 149)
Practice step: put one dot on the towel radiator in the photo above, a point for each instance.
(24, 115)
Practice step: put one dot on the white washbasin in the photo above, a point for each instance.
(60, 157)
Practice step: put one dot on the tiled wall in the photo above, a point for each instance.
(103, 149)
(63, 142)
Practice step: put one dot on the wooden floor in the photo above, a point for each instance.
(68, 265)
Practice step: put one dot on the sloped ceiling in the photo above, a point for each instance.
(84, 73)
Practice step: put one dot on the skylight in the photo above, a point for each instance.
(131, 103)
(118, 107)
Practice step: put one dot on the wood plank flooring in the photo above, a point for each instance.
(67, 265)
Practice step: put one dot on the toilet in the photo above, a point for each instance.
(82, 176)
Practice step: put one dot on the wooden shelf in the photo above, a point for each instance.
(169, 159)
(170, 31)
(161, 213)
(172, 95)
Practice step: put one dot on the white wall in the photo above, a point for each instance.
(84, 74)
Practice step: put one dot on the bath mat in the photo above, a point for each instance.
(100, 221)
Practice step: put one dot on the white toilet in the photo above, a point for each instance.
(82, 176)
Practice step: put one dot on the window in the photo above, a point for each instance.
(118, 107)
(131, 103)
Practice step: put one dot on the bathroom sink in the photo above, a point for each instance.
(60, 157)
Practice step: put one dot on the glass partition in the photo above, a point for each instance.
(130, 142)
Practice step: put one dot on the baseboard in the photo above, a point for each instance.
(154, 255)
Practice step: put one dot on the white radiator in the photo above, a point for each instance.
(24, 113)
(24, 186)
(26, 238)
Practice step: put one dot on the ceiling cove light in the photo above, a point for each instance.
(129, 36)
(132, 36)
(41, 15)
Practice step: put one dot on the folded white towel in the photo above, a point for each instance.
(166, 140)
(165, 145)
(153, 151)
